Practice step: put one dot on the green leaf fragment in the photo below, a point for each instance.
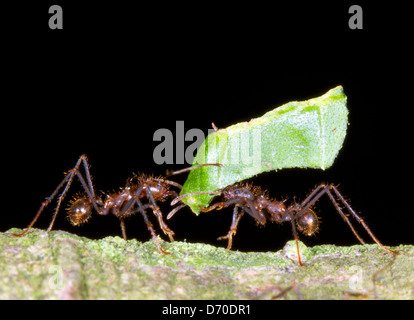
(305, 134)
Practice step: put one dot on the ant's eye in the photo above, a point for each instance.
(155, 188)
(240, 192)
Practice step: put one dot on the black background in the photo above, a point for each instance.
(116, 73)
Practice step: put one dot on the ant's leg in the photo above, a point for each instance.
(130, 203)
(256, 214)
(45, 203)
(235, 221)
(122, 221)
(220, 205)
(318, 192)
(296, 237)
(123, 228)
(314, 196)
(358, 218)
(158, 214)
(85, 163)
(87, 186)
(150, 227)
(68, 180)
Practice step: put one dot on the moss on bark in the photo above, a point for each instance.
(60, 265)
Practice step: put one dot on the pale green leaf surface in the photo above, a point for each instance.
(298, 134)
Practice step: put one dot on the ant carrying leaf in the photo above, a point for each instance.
(256, 203)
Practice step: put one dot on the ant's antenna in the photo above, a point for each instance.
(173, 173)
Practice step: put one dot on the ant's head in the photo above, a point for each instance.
(238, 191)
(79, 211)
(159, 190)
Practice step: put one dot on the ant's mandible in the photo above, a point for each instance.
(124, 203)
(256, 202)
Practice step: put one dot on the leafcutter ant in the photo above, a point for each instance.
(256, 202)
(124, 203)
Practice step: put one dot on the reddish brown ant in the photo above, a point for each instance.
(122, 204)
(256, 202)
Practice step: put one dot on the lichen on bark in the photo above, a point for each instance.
(60, 265)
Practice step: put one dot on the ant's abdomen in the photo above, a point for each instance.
(308, 222)
(79, 211)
